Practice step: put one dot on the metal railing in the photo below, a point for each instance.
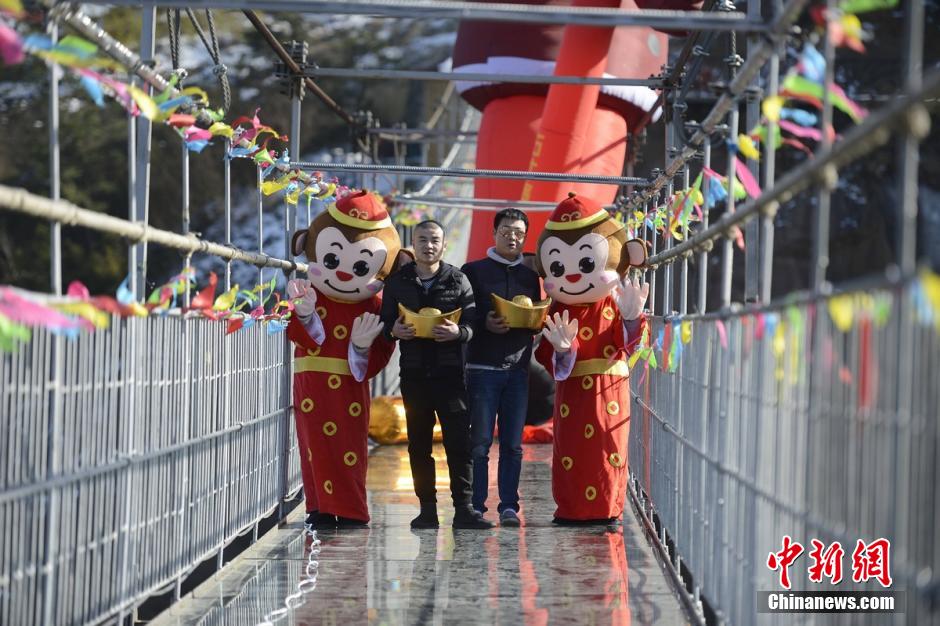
(164, 425)
(815, 432)
(804, 431)
(131, 455)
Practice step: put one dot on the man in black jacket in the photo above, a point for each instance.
(498, 368)
(432, 373)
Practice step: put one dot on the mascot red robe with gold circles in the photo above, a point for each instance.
(351, 248)
(595, 322)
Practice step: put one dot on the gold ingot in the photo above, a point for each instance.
(563, 410)
(329, 429)
(610, 351)
(567, 462)
(613, 407)
(521, 312)
(586, 333)
(587, 382)
(313, 352)
(608, 313)
(590, 493)
(588, 431)
(350, 458)
(334, 381)
(424, 322)
(307, 405)
(355, 409)
(615, 459)
(340, 332)
(328, 486)
(387, 423)
(321, 311)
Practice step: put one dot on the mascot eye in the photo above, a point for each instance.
(360, 268)
(331, 261)
(586, 265)
(557, 269)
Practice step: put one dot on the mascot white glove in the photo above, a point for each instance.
(630, 297)
(560, 332)
(365, 329)
(303, 295)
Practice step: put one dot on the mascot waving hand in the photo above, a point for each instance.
(351, 248)
(595, 322)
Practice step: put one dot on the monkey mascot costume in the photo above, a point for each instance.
(351, 248)
(595, 322)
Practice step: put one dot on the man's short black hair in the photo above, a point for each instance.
(427, 223)
(510, 214)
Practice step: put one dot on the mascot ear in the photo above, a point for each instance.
(406, 256)
(298, 242)
(531, 260)
(635, 251)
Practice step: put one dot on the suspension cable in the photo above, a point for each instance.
(282, 54)
(212, 45)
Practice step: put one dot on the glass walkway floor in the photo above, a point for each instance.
(389, 574)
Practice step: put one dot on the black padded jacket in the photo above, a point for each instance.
(450, 290)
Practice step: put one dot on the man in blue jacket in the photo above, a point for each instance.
(498, 363)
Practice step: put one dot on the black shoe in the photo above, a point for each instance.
(469, 518)
(427, 518)
(324, 521)
(311, 518)
(614, 524)
(348, 522)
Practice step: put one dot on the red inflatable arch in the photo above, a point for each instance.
(560, 128)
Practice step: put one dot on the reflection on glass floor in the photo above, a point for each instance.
(389, 574)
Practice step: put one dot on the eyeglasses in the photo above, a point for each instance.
(515, 233)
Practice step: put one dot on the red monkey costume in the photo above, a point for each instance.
(351, 249)
(584, 255)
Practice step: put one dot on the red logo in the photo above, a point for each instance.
(826, 563)
(871, 561)
(783, 559)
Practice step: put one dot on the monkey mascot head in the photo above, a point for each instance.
(351, 247)
(583, 250)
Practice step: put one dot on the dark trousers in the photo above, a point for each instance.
(447, 397)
